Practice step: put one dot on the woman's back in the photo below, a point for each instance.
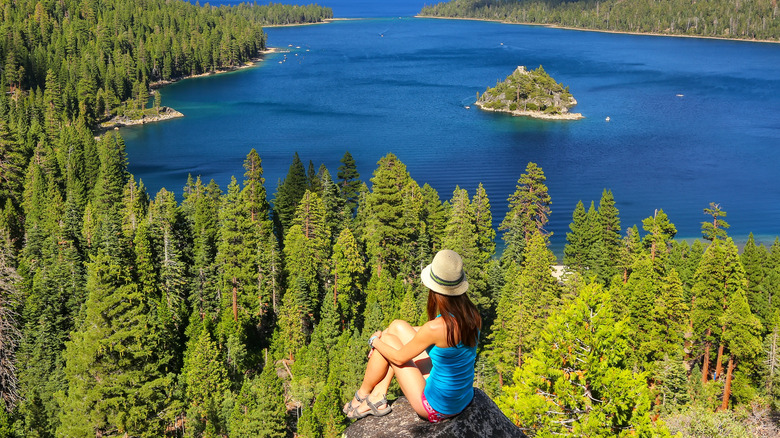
(449, 388)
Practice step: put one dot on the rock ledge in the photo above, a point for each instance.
(481, 418)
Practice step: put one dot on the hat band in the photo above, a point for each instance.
(444, 282)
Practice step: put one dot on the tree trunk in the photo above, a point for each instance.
(273, 288)
(235, 300)
(705, 368)
(719, 363)
(335, 288)
(520, 353)
(727, 388)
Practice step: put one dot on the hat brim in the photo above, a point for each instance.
(456, 290)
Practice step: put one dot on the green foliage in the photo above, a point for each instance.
(751, 20)
(716, 229)
(115, 367)
(528, 91)
(385, 234)
(577, 379)
(529, 212)
(205, 377)
(259, 409)
(349, 182)
(289, 193)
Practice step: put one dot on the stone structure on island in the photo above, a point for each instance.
(530, 93)
(480, 419)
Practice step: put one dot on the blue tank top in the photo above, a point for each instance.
(450, 386)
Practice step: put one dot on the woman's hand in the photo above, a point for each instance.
(377, 334)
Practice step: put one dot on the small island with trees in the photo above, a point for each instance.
(530, 93)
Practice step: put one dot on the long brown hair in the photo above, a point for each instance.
(460, 316)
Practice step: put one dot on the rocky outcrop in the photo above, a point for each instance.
(480, 419)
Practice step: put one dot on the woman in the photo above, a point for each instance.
(434, 363)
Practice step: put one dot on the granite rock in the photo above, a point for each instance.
(480, 419)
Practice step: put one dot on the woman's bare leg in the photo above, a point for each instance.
(409, 377)
(379, 372)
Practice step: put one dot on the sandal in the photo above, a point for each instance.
(375, 411)
(348, 407)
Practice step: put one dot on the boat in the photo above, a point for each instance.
(607, 119)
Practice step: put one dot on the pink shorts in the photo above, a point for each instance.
(433, 415)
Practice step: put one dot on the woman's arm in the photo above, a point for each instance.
(429, 334)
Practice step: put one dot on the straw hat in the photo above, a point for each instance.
(445, 274)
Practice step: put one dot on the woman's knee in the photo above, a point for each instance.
(402, 329)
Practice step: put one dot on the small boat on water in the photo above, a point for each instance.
(607, 119)
(680, 95)
(467, 107)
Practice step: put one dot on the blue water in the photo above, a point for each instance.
(401, 85)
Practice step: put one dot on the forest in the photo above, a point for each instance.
(231, 311)
(740, 19)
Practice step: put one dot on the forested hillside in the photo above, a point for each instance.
(236, 312)
(743, 19)
(90, 60)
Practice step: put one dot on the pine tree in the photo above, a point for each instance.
(167, 225)
(254, 190)
(717, 228)
(579, 372)
(336, 217)
(135, 203)
(288, 193)
(529, 296)
(384, 233)
(461, 237)
(719, 276)
(260, 408)
(630, 248)
(200, 207)
(483, 219)
(349, 181)
(236, 249)
(434, 215)
(12, 164)
(754, 258)
(348, 270)
(610, 236)
(575, 251)
(114, 364)
(9, 326)
(205, 377)
(742, 337)
(529, 211)
(660, 232)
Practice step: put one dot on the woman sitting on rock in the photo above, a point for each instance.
(434, 363)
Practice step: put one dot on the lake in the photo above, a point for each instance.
(692, 121)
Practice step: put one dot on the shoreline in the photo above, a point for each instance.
(622, 32)
(534, 114)
(325, 21)
(117, 122)
(251, 63)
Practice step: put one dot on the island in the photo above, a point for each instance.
(532, 94)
